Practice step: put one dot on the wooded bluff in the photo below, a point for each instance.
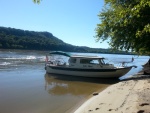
(11, 38)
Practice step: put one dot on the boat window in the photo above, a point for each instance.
(72, 60)
(84, 61)
(89, 61)
(94, 61)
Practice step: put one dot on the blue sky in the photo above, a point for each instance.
(73, 21)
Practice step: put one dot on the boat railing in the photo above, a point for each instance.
(56, 63)
(123, 64)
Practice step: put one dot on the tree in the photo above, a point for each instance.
(37, 1)
(126, 24)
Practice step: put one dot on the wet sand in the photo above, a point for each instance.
(128, 96)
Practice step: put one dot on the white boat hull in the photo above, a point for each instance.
(101, 73)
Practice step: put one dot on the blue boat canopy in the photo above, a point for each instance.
(60, 53)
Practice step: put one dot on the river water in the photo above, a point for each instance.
(26, 88)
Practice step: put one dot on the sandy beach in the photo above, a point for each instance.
(129, 96)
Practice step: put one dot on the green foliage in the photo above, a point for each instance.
(11, 38)
(126, 23)
(37, 1)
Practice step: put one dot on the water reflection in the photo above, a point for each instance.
(62, 85)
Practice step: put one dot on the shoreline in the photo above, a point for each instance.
(74, 108)
(130, 95)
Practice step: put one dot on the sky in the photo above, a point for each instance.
(73, 21)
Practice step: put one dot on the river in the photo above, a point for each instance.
(26, 88)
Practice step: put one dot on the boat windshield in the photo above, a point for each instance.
(102, 61)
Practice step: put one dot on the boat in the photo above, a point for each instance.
(63, 63)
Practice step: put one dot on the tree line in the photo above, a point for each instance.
(11, 38)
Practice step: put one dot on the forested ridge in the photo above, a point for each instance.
(11, 38)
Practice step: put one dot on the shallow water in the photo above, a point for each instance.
(26, 88)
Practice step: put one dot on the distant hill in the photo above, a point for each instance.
(11, 38)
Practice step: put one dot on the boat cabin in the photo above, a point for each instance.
(88, 62)
(78, 61)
